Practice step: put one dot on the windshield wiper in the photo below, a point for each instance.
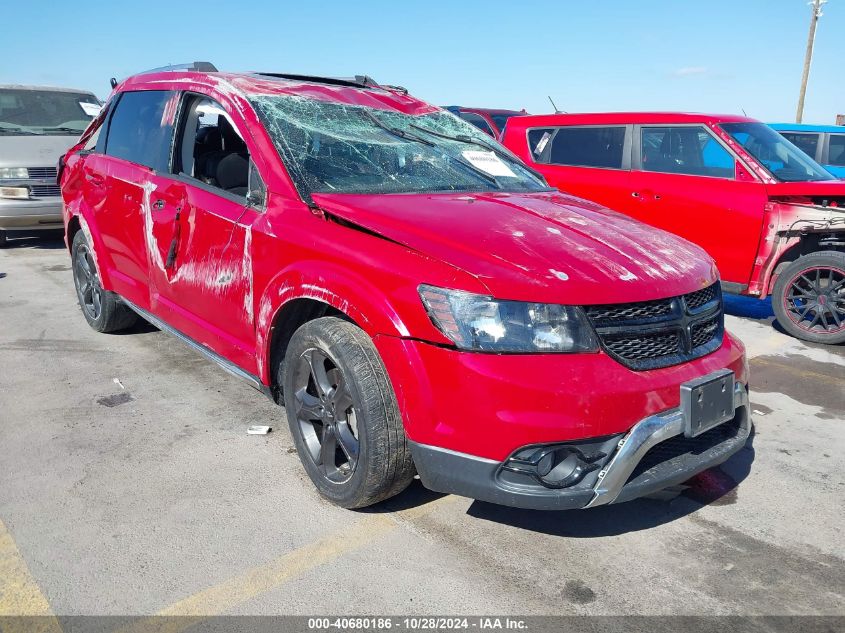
(62, 129)
(395, 131)
(14, 130)
(500, 152)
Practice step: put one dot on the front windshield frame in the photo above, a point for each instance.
(61, 112)
(337, 147)
(793, 166)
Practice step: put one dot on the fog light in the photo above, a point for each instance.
(558, 466)
(14, 193)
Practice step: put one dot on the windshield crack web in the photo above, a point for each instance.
(332, 147)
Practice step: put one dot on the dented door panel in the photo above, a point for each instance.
(201, 267)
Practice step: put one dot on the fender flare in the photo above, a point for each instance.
(342, 289)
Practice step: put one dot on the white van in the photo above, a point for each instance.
(37, 125)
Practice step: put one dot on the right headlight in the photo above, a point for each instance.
(480, 323)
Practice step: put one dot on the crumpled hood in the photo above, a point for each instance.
(34, 151)
(534, 247)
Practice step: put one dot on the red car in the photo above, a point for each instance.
(489, 120)
(772, 218)
(418, 299)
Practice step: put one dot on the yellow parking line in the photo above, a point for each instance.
(20, 595)
(235, 591)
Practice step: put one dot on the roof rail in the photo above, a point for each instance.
(201, 67)
(358, 81)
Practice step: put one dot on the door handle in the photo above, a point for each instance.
(158, 204)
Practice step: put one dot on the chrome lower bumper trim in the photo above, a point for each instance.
(639, 440)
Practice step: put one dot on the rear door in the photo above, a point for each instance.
(684, 180)
(588, 161)
(137, 143)
(834, 158)
(201, 234)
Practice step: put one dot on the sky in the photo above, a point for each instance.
(721, 56)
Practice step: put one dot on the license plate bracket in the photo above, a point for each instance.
(707, 402)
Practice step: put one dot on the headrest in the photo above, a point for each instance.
(233, 171)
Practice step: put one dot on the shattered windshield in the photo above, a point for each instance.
(781, 158)
(331, 147)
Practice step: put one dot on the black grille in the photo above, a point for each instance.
(45, 191)
(701, 297)
(630, 311)
(702, 332)
(663, 332)
(42, 172)
(681, 445)
(644, 346)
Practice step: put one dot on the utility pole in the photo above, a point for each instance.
(808, 58)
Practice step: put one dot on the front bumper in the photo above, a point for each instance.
(653, 455)
(31, 215)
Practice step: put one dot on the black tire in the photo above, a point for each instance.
(809, 297)
(3, 240)
(103, 310)
(354, 413)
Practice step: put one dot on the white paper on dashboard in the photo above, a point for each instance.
(488, 162)
(90, 109)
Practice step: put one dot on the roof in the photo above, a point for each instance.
(808, 127)
(45, 88)
(249, 85)
(625, 118)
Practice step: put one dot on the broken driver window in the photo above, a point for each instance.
(211, 148)
(331, 147)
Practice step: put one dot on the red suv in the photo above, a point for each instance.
(418, 299)
(771, 216)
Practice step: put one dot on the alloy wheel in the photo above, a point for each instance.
(815, 300)
(88, 286)
(326, 416)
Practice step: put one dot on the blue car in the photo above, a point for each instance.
(824, 143)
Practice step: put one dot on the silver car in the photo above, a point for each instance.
(37, 125)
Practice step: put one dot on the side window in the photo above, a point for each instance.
(211, 149)
(690, 150)
(836, 154)
(94, 143)
(538, 142)
(807, 143)
(587, 147)
(141, 128)
(478, 121)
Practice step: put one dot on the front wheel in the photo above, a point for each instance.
(343, 414)
(809, 297)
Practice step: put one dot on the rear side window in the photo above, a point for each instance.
(583, 147)
(141, 128)
(690, 150)
(807, 143)
(837, 150)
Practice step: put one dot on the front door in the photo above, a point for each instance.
(201, 229)
(684, 181)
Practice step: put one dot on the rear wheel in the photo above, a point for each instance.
(809, 297)
(343, 414)
(3, 241)
(102, 309)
